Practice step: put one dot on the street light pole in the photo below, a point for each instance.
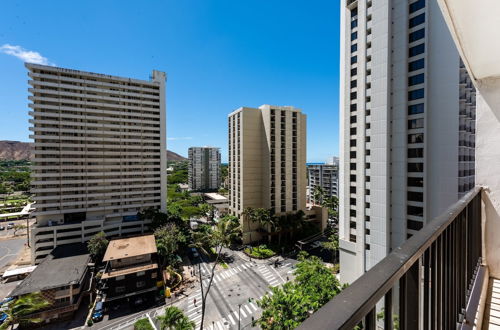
(239, 316)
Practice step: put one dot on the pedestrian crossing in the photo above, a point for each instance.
(268, 275)
(225, 274)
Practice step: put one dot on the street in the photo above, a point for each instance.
(9, 249)
(232, 297)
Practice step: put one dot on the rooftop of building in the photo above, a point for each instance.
(216, 196)
(65, 265)
(130, 247)
(33, 66)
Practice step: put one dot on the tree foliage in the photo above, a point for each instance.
(143, 324)
(20, 310)
(168, 239)
(332, 244)
(97, 246)
(174, 319)
(314, 285)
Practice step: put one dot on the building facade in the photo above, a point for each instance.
(131, 271)
(407, 126)
(324, 177)
(267, 162)
(204, 168)
(98, 153)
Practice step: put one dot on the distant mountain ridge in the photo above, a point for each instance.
(17, 150)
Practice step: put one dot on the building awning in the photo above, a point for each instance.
(18, 271)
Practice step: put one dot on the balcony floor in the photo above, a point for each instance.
(492, 311)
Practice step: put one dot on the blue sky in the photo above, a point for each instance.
(219, 55)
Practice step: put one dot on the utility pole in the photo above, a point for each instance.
(239, 316)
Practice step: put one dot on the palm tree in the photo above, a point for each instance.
(318, 195)
(249, 214)
(224, 234)
(266, 219)
(333, 245)
(21, 310)
(174, 319)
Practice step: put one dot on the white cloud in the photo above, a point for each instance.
(180, 138)
(24, 54)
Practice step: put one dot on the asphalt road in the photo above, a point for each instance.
(9, 249)
(231, 299)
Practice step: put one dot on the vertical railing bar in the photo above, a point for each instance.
(402, 300)
(426, 304)
(439, 282)
(370, 319)
(433, 284)
(388, 310)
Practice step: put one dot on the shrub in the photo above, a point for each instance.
(260, 252)
(143, 324)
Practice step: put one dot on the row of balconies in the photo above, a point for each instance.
(104, 202)
(88, 95)
(56, 211)
(112, 82)
(99, 123)
(127, 112)
(93, 188)
(40, 85)
(69, 103)
(85, 132)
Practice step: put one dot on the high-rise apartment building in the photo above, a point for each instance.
(267, 161)
(334, 160)
(322, 176)
(204, 168)
(98, 154)
(407, 126)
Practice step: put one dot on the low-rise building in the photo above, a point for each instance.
(62, 278)
(131, 270)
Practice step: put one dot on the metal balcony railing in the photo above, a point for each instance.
(429, 282)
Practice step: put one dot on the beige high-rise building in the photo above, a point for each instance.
(267, 162)
(98, 154)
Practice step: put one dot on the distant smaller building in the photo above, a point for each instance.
(131, 269)
(333, 161)
(219, 202)
(62, 278)
(204, 168)
(325, 177)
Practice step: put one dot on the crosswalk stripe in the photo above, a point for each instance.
(243, 312)
(220, 325)
(231, 319)
(287, 264)
(238, 269)
(243, 266)
(235, 315)
(291, 271)
(248, 309)
(196, 317)
(253, 306)
(217, 277)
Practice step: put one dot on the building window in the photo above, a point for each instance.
(120, 289)
(415, 182)
(353, 154)
(352, 201)
(416, 94)
(417, 35)
(415, 80)
(353, 107)
(354, 59)
(416, 138)
(415, 152)
(352, 190)
(417, 211)
(414, 225)
(354, 83)
(415, 196)
(352, 238)
(353, 130)
(416, 65)
(417, 20)
(415, 109)
(367, 231)
(353, 95)
(416, 167)
(352, 213)
(354, 72)
(353, 119)
(140, 284)
(417, 5)
(140, 273)
(353, 143)
(415, 123)
(354, 48)
(354, 23)
(354, 36)
(417, 50)
(119, 278)
(352, 166)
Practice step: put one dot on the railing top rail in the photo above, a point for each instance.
(347, 308)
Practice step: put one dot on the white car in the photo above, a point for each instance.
(10, 225)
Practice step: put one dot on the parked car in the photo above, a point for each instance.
(98, 312)
(10, 225)
(2, 228)
(194, 252)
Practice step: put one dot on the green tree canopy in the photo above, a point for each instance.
(20, 310)
(97, 246)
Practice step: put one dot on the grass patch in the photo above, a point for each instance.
(224, 265)
(260, 252)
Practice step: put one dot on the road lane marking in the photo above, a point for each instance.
(231, 319)
(253, 306)
(243, 313)
(248, 309)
